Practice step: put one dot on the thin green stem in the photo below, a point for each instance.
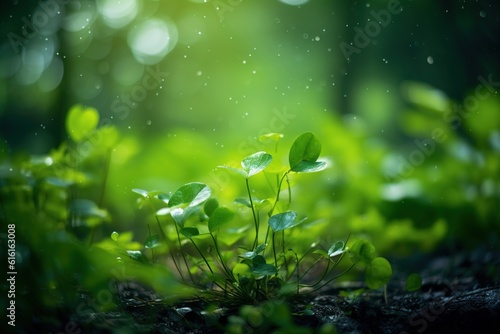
(221, 259)
(182, 253)
(167, 241)
(333, 278)
(201, 254)
(152, 249)
(256, 222)
(274, 252)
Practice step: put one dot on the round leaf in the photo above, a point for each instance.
(413, 282)
(362, 251)
(81, 121)
(210, 206)
(378, 273)
(189, 232)
(256, 163)
(260, 267)
(283, 221)
(192, 194)
(306, 147)
(219, 217)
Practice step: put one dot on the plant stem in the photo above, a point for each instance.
(152, 249)
(274, 252)
(256, 222)
(202, 256)
(182, 253)
(166, 241)
(226, 269)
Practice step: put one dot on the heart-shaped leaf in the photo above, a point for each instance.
(189, 232)
(210, 206)
(362, 251)
(219, 217)
(306, 147)
(260, 267)
(256, 163)
(191, 194)
(81, 121)
(283, 221)
(378, 273)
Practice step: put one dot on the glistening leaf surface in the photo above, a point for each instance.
(192, 194)
(283, 221)
(256, 163)
(306, 147)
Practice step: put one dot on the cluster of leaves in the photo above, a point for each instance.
(55, 203)
(266, 266)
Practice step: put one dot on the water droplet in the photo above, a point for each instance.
(244, 61)
(430, 60)
(482, 13)
(199, 73)
(317, 38)
(148, 122)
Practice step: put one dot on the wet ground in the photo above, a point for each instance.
(460, 294)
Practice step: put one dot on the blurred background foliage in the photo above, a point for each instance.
(408, 114)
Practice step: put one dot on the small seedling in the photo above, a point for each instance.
(264, 266)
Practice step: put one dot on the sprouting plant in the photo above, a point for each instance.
(193, 226)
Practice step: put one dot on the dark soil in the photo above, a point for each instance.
(460, 294)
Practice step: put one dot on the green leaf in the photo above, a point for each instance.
(152, 241)
(283, 221)
(362, 251)
(244, 201)
(248, 255)
(235, 170)
(259, 204)
(164, 211)
(260, 248)
(142, 192)
(256, 163)
(260, 267)
(413, 282)
(219, 217)
(137, 255)
(81, 121)
(309, 166)
(378, 273)
(306, 147)
(192, 194)
(273, 136)
(115, 236)
(210, 206)
(336, 249)
(189, 232)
